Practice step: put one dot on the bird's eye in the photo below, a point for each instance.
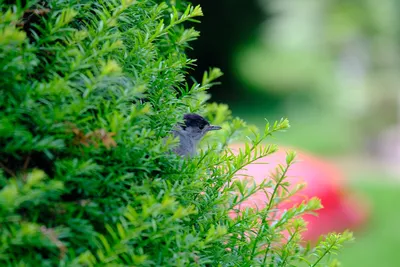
(201, 127)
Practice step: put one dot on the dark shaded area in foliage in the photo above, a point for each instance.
(226, 25)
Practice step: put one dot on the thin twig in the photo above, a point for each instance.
(26, 163)
(25, 167)
(42, 11)
(7, 170)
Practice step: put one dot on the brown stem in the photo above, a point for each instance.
(25, 167)
(7, 170)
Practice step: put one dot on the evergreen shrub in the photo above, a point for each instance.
(89, 93)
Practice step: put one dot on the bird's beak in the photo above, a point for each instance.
(213, 128)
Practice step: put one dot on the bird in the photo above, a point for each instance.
(190, 133)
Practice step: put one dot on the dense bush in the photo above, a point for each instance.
(89, 93)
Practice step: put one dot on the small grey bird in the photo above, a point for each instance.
(190, 133)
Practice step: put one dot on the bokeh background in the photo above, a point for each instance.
(333, 68)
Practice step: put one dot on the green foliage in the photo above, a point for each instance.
(89, 93)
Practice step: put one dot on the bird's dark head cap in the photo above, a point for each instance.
(195, 120)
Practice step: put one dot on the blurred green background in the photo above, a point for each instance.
(333, 68)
